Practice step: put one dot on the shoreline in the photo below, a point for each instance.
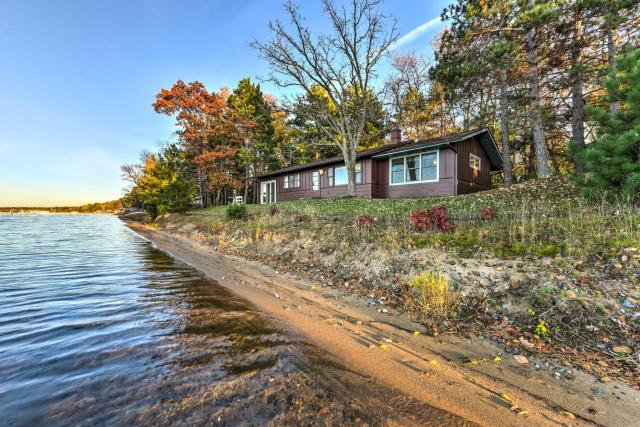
(469, 378)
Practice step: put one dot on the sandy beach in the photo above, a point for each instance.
(467, 377)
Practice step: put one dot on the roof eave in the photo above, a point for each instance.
(392, 153)
(318, 163)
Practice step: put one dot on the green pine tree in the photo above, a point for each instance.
(612, 161)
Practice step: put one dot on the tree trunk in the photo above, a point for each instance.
(202, 190)
(531, 160)
(442, 119)
(577, 97)
(504, 129)
(246, 188)
(539, 142)
(611, 59)
(350, 164)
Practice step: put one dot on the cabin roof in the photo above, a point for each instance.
(389, 150)
(360, 155)
(484, 136)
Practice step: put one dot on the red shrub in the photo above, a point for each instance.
(364, 222)
(431, 219)
(487, 213)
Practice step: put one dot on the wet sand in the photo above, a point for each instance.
(383, 346)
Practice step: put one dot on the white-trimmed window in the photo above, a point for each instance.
(338, 175)
(292, 181)
(474, 162)
(421, 167)
(315, 180)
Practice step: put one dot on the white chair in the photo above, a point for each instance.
(238, 200)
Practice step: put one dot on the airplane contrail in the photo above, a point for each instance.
(415, 33)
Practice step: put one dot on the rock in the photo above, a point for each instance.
(520, 359)
(621, 349)
(526, 342)
(598, 391)
(611, 306)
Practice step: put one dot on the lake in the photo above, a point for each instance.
(98, 327)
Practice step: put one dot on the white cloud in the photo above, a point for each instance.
(415, 33)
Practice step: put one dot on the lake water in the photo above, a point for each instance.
(97, 327)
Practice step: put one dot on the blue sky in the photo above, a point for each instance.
(78, 77)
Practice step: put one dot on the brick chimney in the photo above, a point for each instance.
(396, 135)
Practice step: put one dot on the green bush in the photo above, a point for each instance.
(236, 211)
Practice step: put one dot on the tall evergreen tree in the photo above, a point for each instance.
(257, 154)
(612, 161)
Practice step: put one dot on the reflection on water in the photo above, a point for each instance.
(98, 327)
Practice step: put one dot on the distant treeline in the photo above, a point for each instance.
(104, 207)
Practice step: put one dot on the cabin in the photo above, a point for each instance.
(455, 164)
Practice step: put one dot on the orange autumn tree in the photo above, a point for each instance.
(210, 132)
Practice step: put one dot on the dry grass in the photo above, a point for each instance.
(432, 295)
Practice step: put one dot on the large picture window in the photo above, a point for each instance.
(414, 168)
(338, 175)
(292, 181)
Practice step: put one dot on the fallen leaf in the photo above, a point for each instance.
(506, 397)
(497, 359)
(323, 411)
(566, 414)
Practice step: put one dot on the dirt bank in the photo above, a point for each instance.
(472, 378)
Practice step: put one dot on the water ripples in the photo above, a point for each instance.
(97, 327)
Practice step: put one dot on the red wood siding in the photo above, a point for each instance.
(375, 178)
(325, 191)
(469, 180)
(443, 187)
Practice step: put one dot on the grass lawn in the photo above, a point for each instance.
(536, 218)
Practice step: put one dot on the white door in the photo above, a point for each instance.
(268, 192)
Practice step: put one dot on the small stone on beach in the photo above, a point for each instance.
(520, 359)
